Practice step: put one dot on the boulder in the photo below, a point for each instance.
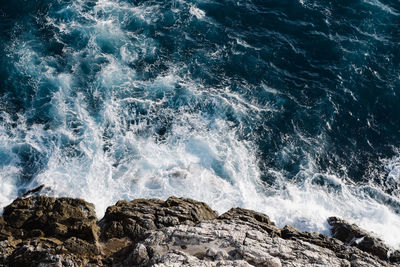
(61, 218)
(353, 235)
(133, 219)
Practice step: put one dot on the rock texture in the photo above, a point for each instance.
(135, 218)
(51, 217)
(45, 231)
(352, 235)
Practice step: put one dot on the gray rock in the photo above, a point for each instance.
(41, 252)
(235, 242)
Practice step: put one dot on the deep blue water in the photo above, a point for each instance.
(288, 107)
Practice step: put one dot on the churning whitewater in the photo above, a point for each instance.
(288, 108)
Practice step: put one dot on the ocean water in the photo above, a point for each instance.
(291, 108)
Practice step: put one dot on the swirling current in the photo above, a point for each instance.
(291, 108)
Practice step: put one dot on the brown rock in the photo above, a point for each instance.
(259, 219)
(55, 217)
(353, 235)
(5, 231)
(133, 219)
(34, 191)
(114, 245)
(81, 247)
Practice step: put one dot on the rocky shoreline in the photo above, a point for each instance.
(45, 231)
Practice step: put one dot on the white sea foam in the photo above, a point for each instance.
(392, 167)
(198, 13)
(9, 171)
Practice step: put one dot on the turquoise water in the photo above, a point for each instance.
(291, 108)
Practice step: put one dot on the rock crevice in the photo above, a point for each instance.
(46, 231)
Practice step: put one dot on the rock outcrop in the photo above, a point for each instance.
(60, 218)
(353, 235)
(135, 218)
(45, 231)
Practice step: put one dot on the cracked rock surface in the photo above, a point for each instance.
(45, 231)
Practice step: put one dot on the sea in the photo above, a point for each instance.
(286, 107)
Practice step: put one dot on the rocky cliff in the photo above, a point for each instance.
(45, 231)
